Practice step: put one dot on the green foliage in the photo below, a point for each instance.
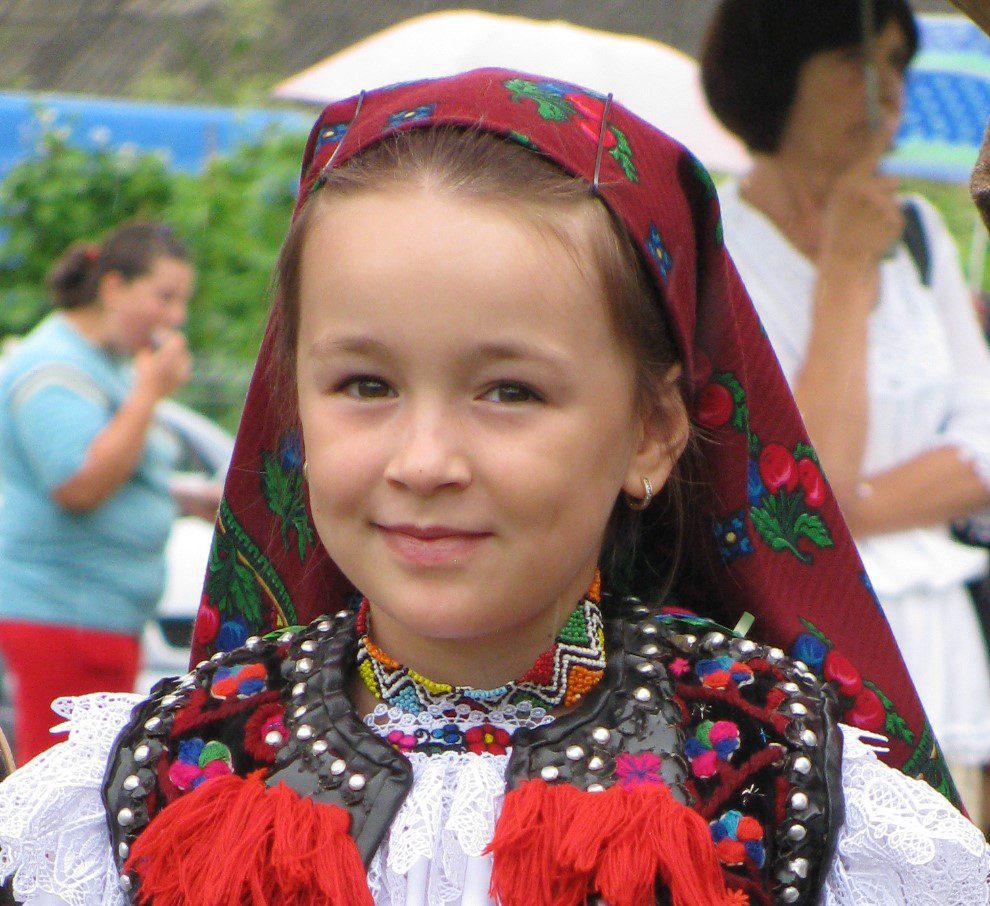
(233, 216)
(58, 196)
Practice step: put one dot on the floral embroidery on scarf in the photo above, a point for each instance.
(783, 490)
(415, 115)
(738, 838)
(330, 135)
(722, 401)
(864, 703)
(562, 103)
(243, 590)
(523, 140)
(198, 762)
(732, 537)
(282, 484)
(659, 251)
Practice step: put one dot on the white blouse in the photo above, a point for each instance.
(901, 841)
(928, 373)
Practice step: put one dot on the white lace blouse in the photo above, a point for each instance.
(901, 842)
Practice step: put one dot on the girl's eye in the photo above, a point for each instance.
(511, 393)
(367, 388)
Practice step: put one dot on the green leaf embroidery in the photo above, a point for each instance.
(895, 724)
(283, 492)
(816, 632)
(549, 106)
(813, 527)
(622, 152)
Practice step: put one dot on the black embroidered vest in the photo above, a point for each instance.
(736, 730)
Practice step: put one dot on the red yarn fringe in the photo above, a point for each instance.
(555, 845)
(235, 842)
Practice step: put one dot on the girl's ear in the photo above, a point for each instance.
(663, 434)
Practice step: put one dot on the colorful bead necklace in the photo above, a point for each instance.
(565, 672)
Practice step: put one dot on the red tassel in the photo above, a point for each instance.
(234, 842)
(556, 845)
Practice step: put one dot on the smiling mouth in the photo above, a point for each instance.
(431, 545)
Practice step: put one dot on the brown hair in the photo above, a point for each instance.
(130, 250)
(485, 166)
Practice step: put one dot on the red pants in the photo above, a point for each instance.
(46, 661)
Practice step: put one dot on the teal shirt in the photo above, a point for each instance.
(104, 568)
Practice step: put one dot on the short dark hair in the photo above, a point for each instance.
(131, 249)
(754, 50)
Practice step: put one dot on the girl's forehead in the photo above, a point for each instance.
(426, 268)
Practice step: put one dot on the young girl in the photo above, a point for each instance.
(532, 396)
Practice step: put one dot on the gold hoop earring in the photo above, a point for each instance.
(641, 504)
(305, 470)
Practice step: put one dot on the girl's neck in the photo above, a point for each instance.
(484, 662)
(793, 193)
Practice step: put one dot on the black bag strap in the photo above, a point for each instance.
(916, 241)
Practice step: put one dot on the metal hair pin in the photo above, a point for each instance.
(322, 178)
(601, 142)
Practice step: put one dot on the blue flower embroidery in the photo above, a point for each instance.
(755, 489)
(330, 135)
(730, 534)
(416, 115)
(659, 251)
(290, 450)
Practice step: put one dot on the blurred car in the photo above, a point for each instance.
(206, 449)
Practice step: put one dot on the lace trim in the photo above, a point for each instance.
(53, 832)
(434, 848)
(901, 841)
(442, 728)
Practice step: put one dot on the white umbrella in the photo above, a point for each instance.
(657, 82)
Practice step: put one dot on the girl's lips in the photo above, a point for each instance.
(431, 546)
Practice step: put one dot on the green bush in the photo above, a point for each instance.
(233, 216)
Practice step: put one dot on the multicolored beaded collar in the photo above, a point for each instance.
(565, 672)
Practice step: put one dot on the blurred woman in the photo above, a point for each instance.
(86, 508)
(877, 336)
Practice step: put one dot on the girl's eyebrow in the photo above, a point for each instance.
(328, 346)
(484, 352)
(516, 351)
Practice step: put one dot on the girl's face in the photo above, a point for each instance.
(469, 418)
(828, 119)
(139, 308)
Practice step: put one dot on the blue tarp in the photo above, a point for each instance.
(186, 135)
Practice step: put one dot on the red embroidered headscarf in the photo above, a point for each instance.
(782, 550)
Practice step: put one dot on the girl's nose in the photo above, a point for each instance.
(428, 452)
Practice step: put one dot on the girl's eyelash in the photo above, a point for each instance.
(519, 393)
(350, 385)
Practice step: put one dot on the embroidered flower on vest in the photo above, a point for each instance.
(738, 837)
(636, 770)
(721, 672)
(239, 682)
(198, 762)
(711, 743)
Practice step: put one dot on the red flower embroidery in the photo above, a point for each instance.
(487, 738)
